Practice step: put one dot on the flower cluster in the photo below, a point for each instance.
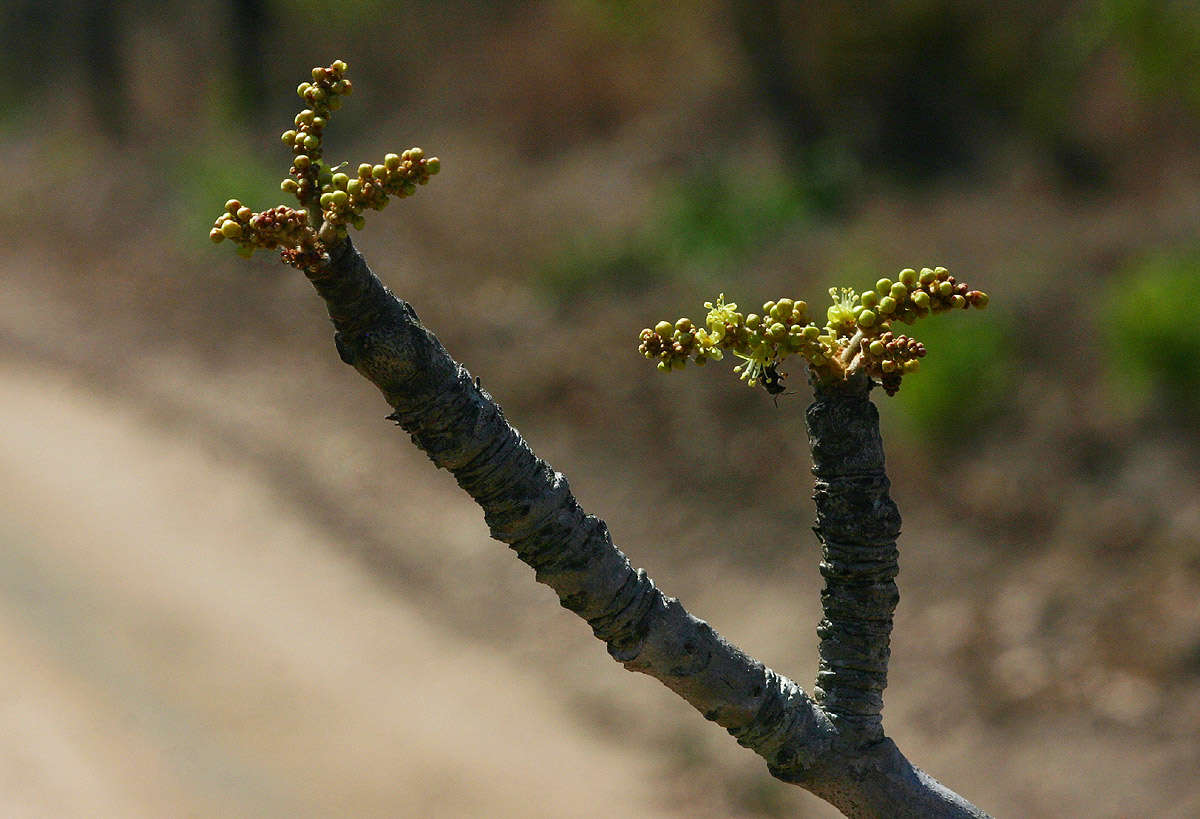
(857, 335)
(781, 330)
(279, 227)
(323, 95)
(344, 199)
(890, 356)
(329, 199)
(915, 295)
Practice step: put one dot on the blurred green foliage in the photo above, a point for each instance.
(699, 227)
(711, 220)
(631, 20)
(1160, 41)
(1152, 341)
(962, 383)
(207, 174)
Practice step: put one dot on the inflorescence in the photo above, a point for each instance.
(858, 334)
(329, 199)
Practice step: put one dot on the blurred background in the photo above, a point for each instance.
(229, 588)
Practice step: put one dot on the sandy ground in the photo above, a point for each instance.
(183, 647)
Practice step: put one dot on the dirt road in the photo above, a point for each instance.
(183, 647)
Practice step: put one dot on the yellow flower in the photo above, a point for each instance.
(758, 360)
(719, 315)
(841, 313)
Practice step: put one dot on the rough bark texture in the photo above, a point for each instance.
(836, 750)
(857, 524)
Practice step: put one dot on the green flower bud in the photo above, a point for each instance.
(866, 318)
(887, 305)
(357, 221)
(899, 291)
(340, 181)
(883, 286)
(392, 162)
(326, 199)
(978, 299)
(338, 67)
(684, 325)
(288, 137)
(945, 289)
(908, 276)
(782, 309)
(318, 74)
(231, 230)
(379, 172)
(305, 117)
(664, 328)
(319, 122)
(912, 365)
(921, 299)
(354, 187)
(311, 143)
(958, 301)
(869, 299)
(301, 162)
(927, 276)
(244, 213)
(877, 349)
(415, 154)
(941, 273)
(364, 171)
(232, 206)
(753, 321)
(302, 89)
(216, 235)
(340, 199)
(887, 365)
(776, 332)
(433, 165)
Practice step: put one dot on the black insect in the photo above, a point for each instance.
(772, 380)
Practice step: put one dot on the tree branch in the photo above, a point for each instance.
(857, 524)
(837, 751)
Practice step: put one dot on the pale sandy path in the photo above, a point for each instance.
(177, 644)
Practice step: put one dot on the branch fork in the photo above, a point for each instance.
(831, 743)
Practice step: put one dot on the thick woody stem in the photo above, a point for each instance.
(530, 507)
(857, 524)
(837, 752)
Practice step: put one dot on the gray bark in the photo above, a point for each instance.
(832, 745)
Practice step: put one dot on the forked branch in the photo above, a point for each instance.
(835, 746)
